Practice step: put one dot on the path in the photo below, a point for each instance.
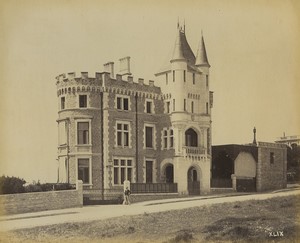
(99, 212)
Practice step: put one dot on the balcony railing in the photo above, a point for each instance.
(153, 187)
(198, 153)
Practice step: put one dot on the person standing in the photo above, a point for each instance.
(126, 196)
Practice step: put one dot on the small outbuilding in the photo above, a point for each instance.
(254, 167)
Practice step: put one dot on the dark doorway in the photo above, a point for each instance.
(193, 182)
(149, 171)
(169, 174)
(191, 138)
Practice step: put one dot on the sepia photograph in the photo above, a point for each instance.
(149, 121)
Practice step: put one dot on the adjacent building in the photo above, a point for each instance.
(113, 129)
(253, 167)
(289, 140)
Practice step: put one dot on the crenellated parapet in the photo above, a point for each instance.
(103, 82)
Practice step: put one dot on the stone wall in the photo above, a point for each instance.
(271, 173)
(42, 201)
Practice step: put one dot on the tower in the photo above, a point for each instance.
(185, 88)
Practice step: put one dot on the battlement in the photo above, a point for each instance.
(100, 76)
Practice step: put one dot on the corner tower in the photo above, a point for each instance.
(184, 82)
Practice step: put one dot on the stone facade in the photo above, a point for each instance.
(113, 129)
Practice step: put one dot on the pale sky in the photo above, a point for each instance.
(252, 46)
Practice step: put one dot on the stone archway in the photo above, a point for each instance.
(193, 181)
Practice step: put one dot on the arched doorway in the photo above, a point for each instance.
(193, 181)
(169, 174)
(191, 138)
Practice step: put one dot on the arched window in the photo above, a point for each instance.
(191, 138)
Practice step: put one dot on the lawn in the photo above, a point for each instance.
(272, 220)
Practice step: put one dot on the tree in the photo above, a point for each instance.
(293, 162)
(9, 185)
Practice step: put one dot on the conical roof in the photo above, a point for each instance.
(201, 59)
(182, 49)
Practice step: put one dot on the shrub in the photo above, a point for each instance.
(38, 187)
(10, 185)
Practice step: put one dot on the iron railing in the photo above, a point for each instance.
(221, 183)
(153, 187)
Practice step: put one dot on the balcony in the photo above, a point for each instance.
(197, 153)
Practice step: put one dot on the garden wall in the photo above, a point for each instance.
(41, 201)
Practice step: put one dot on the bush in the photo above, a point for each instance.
(10, 185)
(45, 187)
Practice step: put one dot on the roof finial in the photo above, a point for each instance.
(254, 133)
(177, 22)
(184, 25)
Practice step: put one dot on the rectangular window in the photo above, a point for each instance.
(184, 104)
(125, 104)
(184, 75)
(149, 137)
(82, 101)
(165, 138)
(148, 106)
(82, 133)
(193, 78)
(122, 171)
(149, 171)
(122, 103)
(192, 107)
(206, 108)
(173, 104)
(84, 170)
(62, 103)
(206, 81)
(272, 157)
(171, 139)
(119, 103)
(173, 76)
(168, 106)
(122, 134)
(167, 79)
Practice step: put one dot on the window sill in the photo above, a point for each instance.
(122, 147)
(123, 110)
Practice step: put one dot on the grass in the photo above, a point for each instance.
(248, 221)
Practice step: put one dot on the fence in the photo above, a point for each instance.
(246, 185)
(153, 187)
(220, 183)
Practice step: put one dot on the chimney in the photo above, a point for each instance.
(118, 77)
(109, 68)
(141, 81)
(130, 79)
(125, 66)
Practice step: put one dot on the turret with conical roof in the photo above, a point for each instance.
(201, 58)
(182, 49)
